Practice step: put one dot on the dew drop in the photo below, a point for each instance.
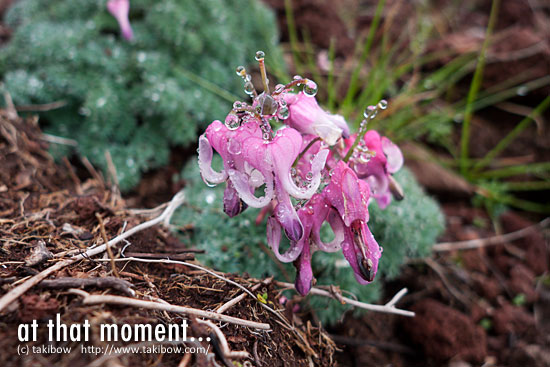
(279, 88)
(249, 88)
(260, 55)
(369, 111)
(383, 104)
(297, 77)
(240, 70)
(232, 121)
(309, 176)
(310, 88)
(283, 113)
(234, 146)
(266, 136)
(237, 105)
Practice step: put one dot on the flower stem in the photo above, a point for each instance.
(360, 135)
(305, 150)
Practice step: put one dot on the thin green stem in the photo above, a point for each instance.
(360, 135)
(292, 35)
(513, 134)
(474, 88)
(368, 44)
(217, 90)
(305, 150)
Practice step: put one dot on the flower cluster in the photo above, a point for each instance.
(309, 171)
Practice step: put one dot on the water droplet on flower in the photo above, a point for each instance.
(383, 104)
(279, 88)
(309, 176)
(364, 158)
(249, 88)
(293, 172)
(237, 105)
(283, 113)
(232, 121)
(266, 136)
(297, 77)
(310, 88)
(260, 55)
(240, 70)
(282, 102)
(234, 146)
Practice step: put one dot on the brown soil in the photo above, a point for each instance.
(487, 305)
(47, 210)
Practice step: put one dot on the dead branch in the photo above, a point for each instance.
(284, 322)
(228, 353)
(387, 308)
(162, 255)
(118, 284)
(165, 217)
(235, 300)
(95, 299)
(495, 240)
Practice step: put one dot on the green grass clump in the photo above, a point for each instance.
(135, 99)
(405, 229)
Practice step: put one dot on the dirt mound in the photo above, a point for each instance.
(49, 215)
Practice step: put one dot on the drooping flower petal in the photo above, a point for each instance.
(337, 227)
(304, 273)
(120, 9)
(286, 214)
(308, 117)
(393, 154)
(274, 241)
(240, 182)
(348, 194)
(361, 251)
(205, 163)
(284, 150)
(232, 203)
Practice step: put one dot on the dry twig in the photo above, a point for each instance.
(98, 282)
(165, 217)
(387, 308)
(228, 353)
(495, 240)
(95, 299)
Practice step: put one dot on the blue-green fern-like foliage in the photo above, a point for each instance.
(405, 229)
(135, 99)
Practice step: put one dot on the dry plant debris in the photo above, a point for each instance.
(50, 216)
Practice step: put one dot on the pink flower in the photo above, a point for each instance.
(376, 159)
(308, 117)
(344, 205)
(251, 161)
(120, 10)
(291, 163)
(349, 196)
